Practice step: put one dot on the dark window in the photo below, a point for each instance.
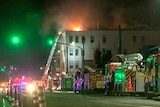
(76, 39)
(70, 39)
(125, 51)
(92, 39)
(134, 38)
(83, 39)
(77, 52)
(142, 39)
(70, 51)
(104, 39)
(71, 64)
(77, 64)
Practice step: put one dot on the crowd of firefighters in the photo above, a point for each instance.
(81, 82)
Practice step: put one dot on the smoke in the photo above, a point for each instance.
(72, 12)
(102, 14)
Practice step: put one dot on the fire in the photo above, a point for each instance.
(77, 29)
(75, 26)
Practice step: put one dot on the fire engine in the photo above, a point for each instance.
(126, 74)
(22, 84)
(152, 75)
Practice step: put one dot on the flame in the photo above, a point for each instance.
(77, 29)
(75, 26)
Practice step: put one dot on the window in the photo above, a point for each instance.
(70, 64)
(92, 39)
(134, 38)
(142, 39)
(76, 39)
(70, 51)
(83, 39)
(104, 39)
(77, 52)
(70, 39)
(77, 64)
(125, 51)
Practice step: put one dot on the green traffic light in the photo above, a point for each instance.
(50, 42)
(2, 69)
(15, 40)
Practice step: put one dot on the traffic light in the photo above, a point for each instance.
(2, 69)
(15, 40)
(50, 41)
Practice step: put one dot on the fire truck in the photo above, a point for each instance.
(134, 74)
(22, 84)
(109, 68)
(152, 75)
(93, 79)
(127, 74)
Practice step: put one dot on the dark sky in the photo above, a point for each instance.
(22, 18)
(34, 20)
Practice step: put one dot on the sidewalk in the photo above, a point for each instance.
(137, 94)
(156, 98)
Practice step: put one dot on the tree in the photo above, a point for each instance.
(101, 58)
(97, 57)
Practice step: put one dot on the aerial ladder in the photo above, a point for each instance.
(47, 67)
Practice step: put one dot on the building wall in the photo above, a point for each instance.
(131, 42)
(89, 47)
(143, 38)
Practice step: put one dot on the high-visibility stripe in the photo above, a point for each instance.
(130, 74)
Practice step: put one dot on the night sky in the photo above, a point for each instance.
(34, 20)
(22, 18)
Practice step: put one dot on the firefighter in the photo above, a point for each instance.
(79, 83)
(106, 80)
(75, 81)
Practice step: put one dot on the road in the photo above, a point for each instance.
(70, 99)
(64, 99)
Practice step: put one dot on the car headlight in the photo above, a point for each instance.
(30, 88)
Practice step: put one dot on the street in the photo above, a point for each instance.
(65, 99)
(70, 99)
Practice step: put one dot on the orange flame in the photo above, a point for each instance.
(75, 26)
(77, 29)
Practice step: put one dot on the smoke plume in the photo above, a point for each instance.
(101, 14)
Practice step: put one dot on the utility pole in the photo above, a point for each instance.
(119, 40)
(83, 40)
(67, 59)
